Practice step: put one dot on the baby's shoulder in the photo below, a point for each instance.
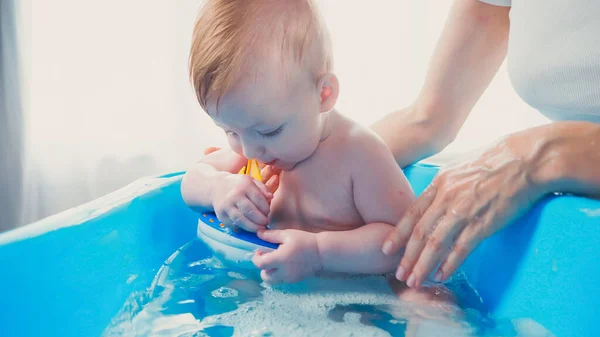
(359, 141)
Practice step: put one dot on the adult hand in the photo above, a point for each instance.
(465, 203)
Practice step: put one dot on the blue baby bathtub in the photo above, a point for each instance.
(69, 274)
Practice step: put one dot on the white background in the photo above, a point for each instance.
(107, 97)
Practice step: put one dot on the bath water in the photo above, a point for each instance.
(194, 294)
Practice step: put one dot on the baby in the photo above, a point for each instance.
(262, 70)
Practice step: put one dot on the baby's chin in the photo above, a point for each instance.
(299, 159)
(284, 166)
(289, 166)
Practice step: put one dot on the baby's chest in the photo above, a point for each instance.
(314, 203)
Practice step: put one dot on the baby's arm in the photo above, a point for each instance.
(381, 195)
(357, 251)
(199, 180)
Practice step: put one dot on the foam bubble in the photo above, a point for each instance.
(339, 306)
(224, 292)
(236, 275)
(205, 298)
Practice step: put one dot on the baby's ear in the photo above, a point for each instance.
(330, 89)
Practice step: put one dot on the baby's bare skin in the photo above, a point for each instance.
(341, 191)
(349, 190)
(321, 194)
(271, 88)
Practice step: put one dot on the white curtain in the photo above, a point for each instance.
(108, 99)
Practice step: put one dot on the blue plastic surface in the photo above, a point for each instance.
(69, 274)
(210, 219)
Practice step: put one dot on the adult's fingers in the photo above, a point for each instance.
(397, 239)
(464, 245)
(418, 239)
(437, 248)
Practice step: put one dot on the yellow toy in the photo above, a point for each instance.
(251, 169)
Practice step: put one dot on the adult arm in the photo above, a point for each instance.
(470, 50)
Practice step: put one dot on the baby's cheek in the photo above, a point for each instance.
(280, 148)
(235, 146)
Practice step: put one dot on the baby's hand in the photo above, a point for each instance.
(239, 200)
(296, 258)
(269, 174)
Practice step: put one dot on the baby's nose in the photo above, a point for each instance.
(253, 152)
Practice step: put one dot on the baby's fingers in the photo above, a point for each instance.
(210, 150)
(263, 188)
(237, 218)
(251, 212)
(273, 183)
(271, 260)
(271, 276)
(258, 198)
(268, 171)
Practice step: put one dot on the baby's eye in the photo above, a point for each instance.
(272, 133)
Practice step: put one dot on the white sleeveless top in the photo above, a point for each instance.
(554, 56)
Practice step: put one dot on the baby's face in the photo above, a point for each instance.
(273, 119)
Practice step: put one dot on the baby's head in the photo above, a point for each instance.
(262, 71)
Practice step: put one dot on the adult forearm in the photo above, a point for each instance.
(470, 50)
(565, 157)
(409, 137)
